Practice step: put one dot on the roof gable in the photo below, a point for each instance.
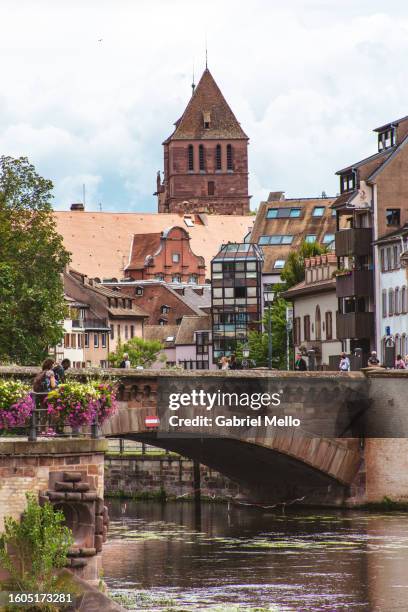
(207, 104)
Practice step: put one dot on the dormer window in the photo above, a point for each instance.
(207, 119)
(139, 291)
(165, 309)
(347, 182)
(386, 139)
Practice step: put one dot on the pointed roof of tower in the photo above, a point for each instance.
(207, 105)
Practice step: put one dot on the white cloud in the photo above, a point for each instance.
(307, 79)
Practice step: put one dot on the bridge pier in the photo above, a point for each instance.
(70, 474)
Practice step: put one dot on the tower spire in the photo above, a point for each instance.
(206, 53)
(193, 83)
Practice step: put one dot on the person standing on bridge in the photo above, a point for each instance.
(344, 365)
(300, 363)
(400, 363)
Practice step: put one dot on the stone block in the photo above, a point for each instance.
(71, 476)
(64, 486)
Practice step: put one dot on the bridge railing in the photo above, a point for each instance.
(41, 423)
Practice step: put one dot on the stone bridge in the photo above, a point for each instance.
(321, 462)
(351, 446)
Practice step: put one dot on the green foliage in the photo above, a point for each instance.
(258, 341)
(294, 270)
(34, 547)
(141, 352)
(32, 258)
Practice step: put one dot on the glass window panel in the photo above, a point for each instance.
(279, 263)
(318, 211)
(272, 213)
(240, 265)
(229, 292)
(287, 239)
(251, 265)
(217, 267)
(217, 292)
(311, 238)
(328, 238)
(295, 212)
(275, 239)
(251, 291)
(263, 240)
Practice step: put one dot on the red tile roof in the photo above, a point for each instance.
(207, 98)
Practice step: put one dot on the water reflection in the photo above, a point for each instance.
(242, 557)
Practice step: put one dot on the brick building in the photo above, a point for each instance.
(282, 224)
(166, 304)
(165, 256)
(205, 158)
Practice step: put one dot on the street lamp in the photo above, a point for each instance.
(245, 355)
(269, 297)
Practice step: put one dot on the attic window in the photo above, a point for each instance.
(165, 309)
(170, 339)
(207, 119)
(386, 139)
(279, 263)
(189, 221)
(283, 213)
(139, 291)
(347, 182)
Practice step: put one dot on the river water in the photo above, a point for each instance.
(166, 557)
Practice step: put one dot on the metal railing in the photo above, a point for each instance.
(40, 422)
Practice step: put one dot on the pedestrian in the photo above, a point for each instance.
(60, 369)
(344, 365)
(125, 363)
(373, 359)
(300, 363)
(400, 363)
(224, 363)
(45, 381)
(406, 361)
(233, 364)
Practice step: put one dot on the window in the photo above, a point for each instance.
(86, 336)
(306, 327)
(397, 310)
(328, 238)
(386, 139)
(283, 213)
(318, 211)
(190, 158)
(162, 322)
(382, 260)
(175, 257)
(211, 188)
(404, 306)
(296, 331)
(193, 279)
(132, 331)
(206, 119)
(329, 325)
(118, 331)
(218, 160)
(393, 216)
(159, 277)
(126, 332)
(129, 304)
(229, 158)
(390, 302)
(318, 323)
(165, 309)
(276, 239)
(384, 303)
(80, 341)
(73, 341)
(347, 182)
(202, 342)
(67, 340)
(279, 264)
(96, 340)
(201, 157)
(176, 278)
(103, 340)
(310, 238)
(112, 332)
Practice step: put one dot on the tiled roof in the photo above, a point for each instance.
(189, 325)
(136, 311)
(196, 301)
(310, 288)
(344, 199)
(381, 156)
(143, 245)
(100, 242)
(207, 98)
(161, 332)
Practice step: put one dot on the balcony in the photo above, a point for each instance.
(355, 283)
(96, 324)
(354, 325)
(354, 241)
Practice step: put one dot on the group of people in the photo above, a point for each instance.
(52, 374)
(401, 363)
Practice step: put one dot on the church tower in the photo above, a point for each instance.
(205, 158)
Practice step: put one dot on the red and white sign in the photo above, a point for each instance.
(152, 421)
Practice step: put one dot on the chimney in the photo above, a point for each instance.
(77, 206)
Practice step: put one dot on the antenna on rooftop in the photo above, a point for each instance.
(193, 83)
(206, 52)
(100, 206)
(83, 193)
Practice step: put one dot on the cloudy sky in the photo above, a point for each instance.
(308, 80)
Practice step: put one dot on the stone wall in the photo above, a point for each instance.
(40, 468)
(137, 475)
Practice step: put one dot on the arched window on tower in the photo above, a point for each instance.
(218, 161)
(229, 158)
(190, 157)
(201, 157)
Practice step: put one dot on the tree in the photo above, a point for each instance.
(294, 270)
(34, 547)
(141, 352)
(258, 342)
(32, 258)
